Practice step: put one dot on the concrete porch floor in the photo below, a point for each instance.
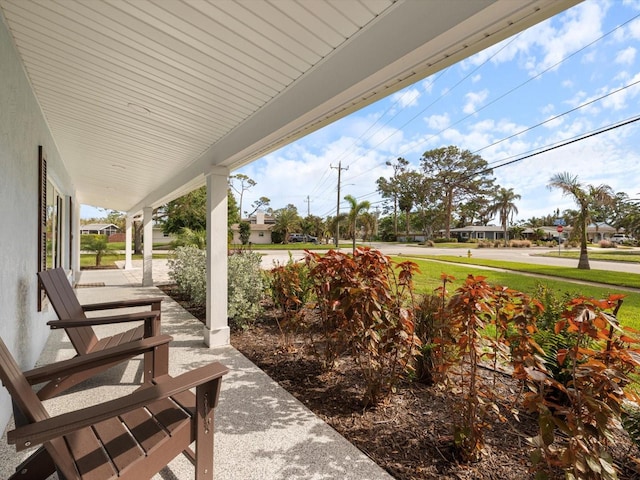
(262, 432)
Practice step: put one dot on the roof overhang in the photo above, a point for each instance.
(144, 100)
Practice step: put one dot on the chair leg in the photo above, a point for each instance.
(38, 466)
(206, 396)
(156, 363)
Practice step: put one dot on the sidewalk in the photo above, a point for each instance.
(262, 432)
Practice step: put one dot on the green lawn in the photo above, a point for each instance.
(621, 279)
(429, 279)
(603, 254)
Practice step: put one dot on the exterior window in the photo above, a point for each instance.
(261, 234)
(53, 227)
(480, 235)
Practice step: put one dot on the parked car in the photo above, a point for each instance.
(302, 238)
(620, 238)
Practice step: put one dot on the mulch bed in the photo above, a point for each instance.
(409, 434)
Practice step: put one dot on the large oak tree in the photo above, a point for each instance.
(457, 175)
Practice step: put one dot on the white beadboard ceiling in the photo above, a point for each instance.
(144, 97)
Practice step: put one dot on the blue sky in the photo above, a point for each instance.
(489, 104)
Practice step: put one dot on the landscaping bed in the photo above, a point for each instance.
(409, 434)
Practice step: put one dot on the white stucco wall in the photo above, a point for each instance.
(22, 129)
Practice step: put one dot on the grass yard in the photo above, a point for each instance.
(612, 255)
(429, 279)
(621, 279)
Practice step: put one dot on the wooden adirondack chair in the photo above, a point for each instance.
(78, 327)
(131, 437)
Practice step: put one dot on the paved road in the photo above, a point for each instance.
(524, 255)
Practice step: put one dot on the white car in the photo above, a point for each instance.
(621, 238)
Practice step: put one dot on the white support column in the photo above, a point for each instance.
(147, 247)
(128, 265)
(216, 332)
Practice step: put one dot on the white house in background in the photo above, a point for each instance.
(478, 232)
(161, 238)
(99, 229)
(260, 228)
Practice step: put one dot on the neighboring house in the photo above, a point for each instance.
(550, 232)
(159, 237)
(600, 231)
(260, 228)
(99, 229)
(477, 232)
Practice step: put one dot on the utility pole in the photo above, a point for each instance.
(308, 205)
(339, 168)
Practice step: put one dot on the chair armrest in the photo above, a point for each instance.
(96, 359)
(50, 428)
(87, 322)
(138, 302)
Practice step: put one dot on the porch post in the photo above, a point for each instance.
(75, 239)
(127, 243)
(216, 332)
(147, 247)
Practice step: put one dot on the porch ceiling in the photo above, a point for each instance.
(144, 97)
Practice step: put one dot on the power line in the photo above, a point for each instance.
(562, 144)
(517, 87)
(551, 147)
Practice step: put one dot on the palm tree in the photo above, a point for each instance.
(503, 205)
(586, 197)
(191, 238)
(357, 208)
(286, 220)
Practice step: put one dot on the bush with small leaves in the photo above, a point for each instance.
(188, 269)
(245, 288)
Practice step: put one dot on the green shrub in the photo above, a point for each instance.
(431, 329)
(96, 244)
(445, 240)
(245, 288)
(188, 269)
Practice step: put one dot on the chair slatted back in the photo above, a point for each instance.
(26, 400)
(66, 305)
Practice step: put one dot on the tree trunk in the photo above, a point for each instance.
(395, 217)
(137, 238)
(583, 263)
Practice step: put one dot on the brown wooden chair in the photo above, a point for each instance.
(131, 437)
(78, 327)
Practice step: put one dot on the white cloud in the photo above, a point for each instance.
(438, 122)
(634, 29)
(626, 56)
(406, 98)
(474, 99)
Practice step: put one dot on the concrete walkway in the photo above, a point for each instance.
(262, 432)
